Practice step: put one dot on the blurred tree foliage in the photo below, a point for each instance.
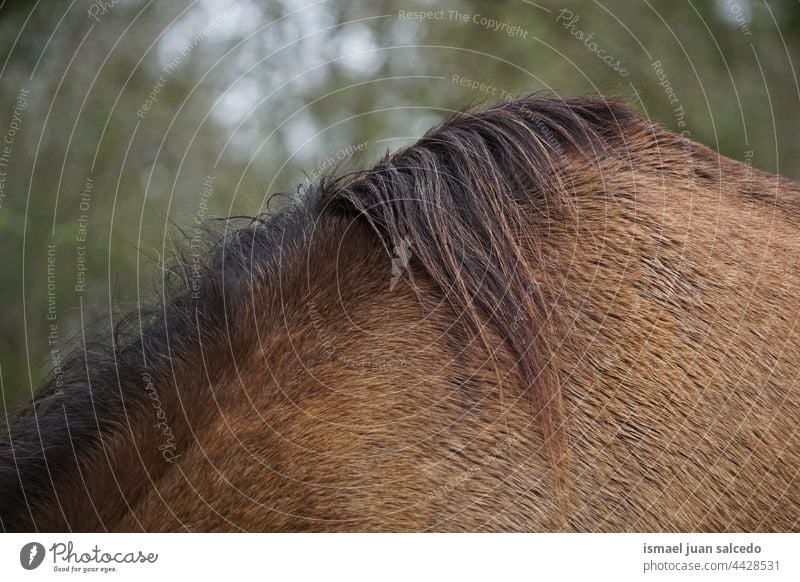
(121, 110)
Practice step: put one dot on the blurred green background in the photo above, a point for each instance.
(115, 114)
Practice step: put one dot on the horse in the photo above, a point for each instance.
(551, 314)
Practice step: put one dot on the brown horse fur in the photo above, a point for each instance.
(595, 330)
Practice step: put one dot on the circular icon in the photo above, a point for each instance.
(31, 555)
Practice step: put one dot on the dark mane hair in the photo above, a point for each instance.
(463, 197)
(104, 380)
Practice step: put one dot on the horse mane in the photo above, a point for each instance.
(102, 383)
(471, 199)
